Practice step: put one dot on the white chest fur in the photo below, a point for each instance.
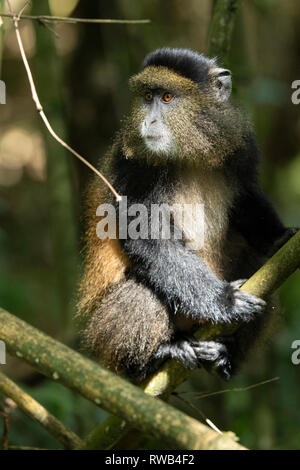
(204, 234)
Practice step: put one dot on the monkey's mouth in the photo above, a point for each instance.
(158, 143)
(153, 138)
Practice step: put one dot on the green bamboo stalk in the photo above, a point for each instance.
(107, 390)
(221, 28)
(38, 413)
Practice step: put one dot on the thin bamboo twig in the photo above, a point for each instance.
(66, 19)
(16, 19)
(38, 413)
(200, 395)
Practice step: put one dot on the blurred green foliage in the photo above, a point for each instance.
(96, 62)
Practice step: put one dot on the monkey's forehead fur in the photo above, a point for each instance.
(161, 77)
(175, 70)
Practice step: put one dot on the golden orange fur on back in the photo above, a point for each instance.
(105, 262)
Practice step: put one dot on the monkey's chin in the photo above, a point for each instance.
(159, 145)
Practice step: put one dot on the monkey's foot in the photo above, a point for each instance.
(213, 355)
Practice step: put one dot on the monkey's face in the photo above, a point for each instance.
(154, 129)
(173, 119)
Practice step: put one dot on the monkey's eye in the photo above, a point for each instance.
(167, 97)
(148, 96)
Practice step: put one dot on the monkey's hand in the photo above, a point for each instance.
(183, 282)
(241, 305)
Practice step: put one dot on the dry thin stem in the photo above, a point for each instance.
(16, 19)
(226, 390)
(198, 411)
(65, 19)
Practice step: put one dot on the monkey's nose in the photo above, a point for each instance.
(153, 122)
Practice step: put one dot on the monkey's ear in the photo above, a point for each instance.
(221, 83)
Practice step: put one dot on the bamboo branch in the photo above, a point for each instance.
(69, 19)
(38, 413)
(105, 389)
